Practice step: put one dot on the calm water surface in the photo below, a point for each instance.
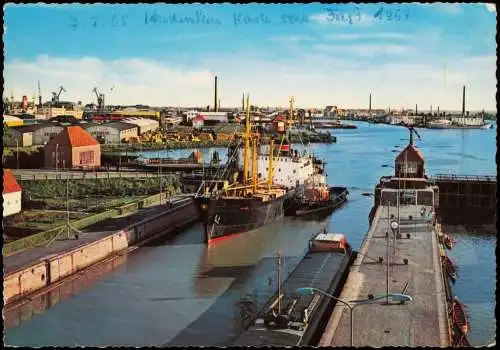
(180, 292)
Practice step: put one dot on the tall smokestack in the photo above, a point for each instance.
(463, 101)
(218, 106)
(438, 110)
(416, 109)
(370, 106)
(243, 103)
(215, 96)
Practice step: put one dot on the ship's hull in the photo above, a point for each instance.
(451, 126)
(229, 216)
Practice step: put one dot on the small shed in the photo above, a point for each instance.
(11, 194)
(73, 147)
(410, 163)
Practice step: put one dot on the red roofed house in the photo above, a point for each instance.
(198, 121)
(410, 163)
(73, 147)
(11, 194)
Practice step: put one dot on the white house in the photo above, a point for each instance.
(11, 194)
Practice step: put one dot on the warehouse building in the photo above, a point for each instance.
(18, 137)
(73, 147)
(114, 132)
(211, 118)
(144, 125)
(133, 112)
(10, 120)
(39, 134)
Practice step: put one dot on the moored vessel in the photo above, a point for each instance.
(439, 124)
(458, 316)
(317, 197)
(245, 204)
(291, 319)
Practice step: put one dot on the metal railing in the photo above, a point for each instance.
(468, 178)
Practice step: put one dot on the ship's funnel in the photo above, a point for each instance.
(463, 101)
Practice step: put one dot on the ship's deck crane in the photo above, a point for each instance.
(100, 98)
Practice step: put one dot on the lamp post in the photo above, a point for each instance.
(353, 303)
(394, 228)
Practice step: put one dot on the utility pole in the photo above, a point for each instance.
(57, 157)
(17, 152)
(67, 206)
(279, 282)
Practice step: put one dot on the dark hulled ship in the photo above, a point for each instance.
(247, 203)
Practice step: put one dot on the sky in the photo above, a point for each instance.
(168, 55)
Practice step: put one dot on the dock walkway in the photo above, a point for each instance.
(90, 234)
(422, 322)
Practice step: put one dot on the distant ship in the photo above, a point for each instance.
(246, 204)
(439, 124)
(460, 122)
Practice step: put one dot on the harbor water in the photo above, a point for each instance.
(181, 292)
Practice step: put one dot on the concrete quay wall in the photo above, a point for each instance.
(53, 268)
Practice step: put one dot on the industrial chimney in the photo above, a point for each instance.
(243, 103)
(370, 105)
(463, 102)
(416, 109)
(215, 96)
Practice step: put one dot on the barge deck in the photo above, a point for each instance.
(323, 270)
(423, 322)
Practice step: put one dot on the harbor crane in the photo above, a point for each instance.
(412, 130)
(100, 98)
(55, 95)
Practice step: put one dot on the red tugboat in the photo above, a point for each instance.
(458, 316)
